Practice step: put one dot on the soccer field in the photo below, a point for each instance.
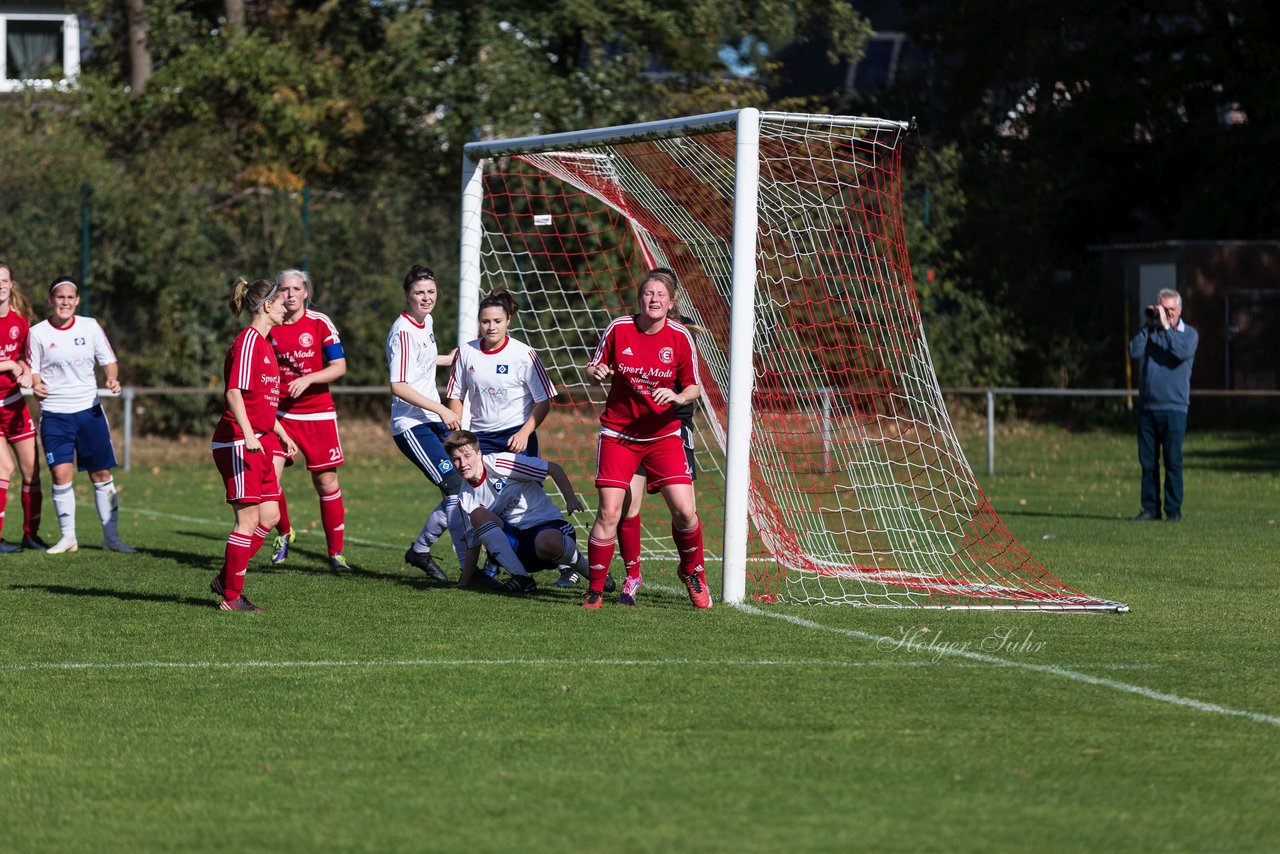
(375, 711)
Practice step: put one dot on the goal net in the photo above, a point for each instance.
(823, 442)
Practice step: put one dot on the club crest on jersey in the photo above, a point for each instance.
(504, 369)
(14, 333)
(666, 355)
(79, 342)
(497, 485)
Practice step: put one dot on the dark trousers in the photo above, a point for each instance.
(1160, 433)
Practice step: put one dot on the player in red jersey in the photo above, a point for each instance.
(17, 430)
(646, 357)
(309, 354)
(629, 529)
(248, 436)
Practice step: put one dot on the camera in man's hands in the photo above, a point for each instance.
(1152, 314)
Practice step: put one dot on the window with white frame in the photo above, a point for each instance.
(38, 49)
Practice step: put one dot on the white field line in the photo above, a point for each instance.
(1050, 669)
(483, 662)
(897, 643)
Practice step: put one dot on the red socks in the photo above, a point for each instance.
(599, 556)
(333, 514)
(31, 501)
(240, 550)
(284, 526)
(629, 544)
(689, 544)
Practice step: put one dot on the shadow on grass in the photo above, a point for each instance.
(123, 595)
(1037, 514)
(419, 582)
(1252, 455)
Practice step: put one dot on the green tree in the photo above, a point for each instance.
(198, 168)
(1088, 123)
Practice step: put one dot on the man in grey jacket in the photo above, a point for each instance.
(1166, 346)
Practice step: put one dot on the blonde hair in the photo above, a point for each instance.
(17, 299)
(660, 274)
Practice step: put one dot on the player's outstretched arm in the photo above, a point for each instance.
(572, 503)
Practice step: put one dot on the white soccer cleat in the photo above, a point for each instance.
(63, 546)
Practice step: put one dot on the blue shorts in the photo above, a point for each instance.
(495, 442)
(523, 543)
(81, 437)
(424, 445)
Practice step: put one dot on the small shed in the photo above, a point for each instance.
(1230, 294)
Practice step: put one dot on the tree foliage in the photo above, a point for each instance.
(1084, 123)
(199, 168)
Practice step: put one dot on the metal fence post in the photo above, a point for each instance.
(991, 432)
(128, 394)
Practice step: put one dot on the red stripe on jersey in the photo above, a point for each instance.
(406, 344)
(451, 387)
(541, 373)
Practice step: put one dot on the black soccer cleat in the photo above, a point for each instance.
(425, 562)
(34, 542)
(520, 585)
(239, 604)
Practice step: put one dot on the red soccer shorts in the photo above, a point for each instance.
(250, 478)
(317, 439)
(15, 419)
(664, 459)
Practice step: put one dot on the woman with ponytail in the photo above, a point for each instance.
(249, 436)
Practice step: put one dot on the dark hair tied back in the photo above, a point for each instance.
(501, 298)
(416, 274)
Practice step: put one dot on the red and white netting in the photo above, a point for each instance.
(859, 490)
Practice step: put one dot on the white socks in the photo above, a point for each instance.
(104, 497)
(64, 505)
(571, 557)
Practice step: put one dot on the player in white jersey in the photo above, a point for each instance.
(503, 382)
(507, 509)
(63, 352)
(419, 422)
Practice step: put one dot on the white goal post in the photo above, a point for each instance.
(823, 444)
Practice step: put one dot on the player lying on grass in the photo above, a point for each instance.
(507, 510)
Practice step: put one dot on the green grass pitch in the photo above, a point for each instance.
(373, 711)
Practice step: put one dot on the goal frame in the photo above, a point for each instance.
(746, 125)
